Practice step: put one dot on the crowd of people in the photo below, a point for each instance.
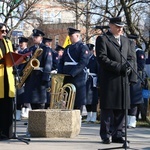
(111, 74)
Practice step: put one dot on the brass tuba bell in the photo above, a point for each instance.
(62, 96)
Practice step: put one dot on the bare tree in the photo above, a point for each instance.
(13, 12)
(133, 11)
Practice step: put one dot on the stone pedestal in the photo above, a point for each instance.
(54, 123)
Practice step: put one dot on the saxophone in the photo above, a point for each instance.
(32, 64)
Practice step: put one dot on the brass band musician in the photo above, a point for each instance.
(38, 81)
(73, 62)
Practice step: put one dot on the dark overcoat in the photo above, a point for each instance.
(91, 88)
(80, 54)
(38, 81)
(113, 93)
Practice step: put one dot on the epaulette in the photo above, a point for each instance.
(139, 49)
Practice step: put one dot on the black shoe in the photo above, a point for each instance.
(3, 138)
(25, 123)
(106, 141)
(118, 140)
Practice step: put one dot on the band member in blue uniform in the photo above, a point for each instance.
(73, 63)
(22, 49)
(136, 89)
(38, 81)
(91, 86)
(112, 80)
(48, 42)
(60, 50)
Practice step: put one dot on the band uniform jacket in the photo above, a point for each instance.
(37, 82)
(73, 63)
(21, 91)
(112, 84)
(136, 89)
(55, 59)
(9, 70)
(21, 66)
(91, 84)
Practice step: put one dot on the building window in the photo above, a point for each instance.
(45, 16)
(58, 17)
(56, 40)
(52, 17)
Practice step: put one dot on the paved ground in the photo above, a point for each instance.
(88, 139)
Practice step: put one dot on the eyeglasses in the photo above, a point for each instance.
(3, 31)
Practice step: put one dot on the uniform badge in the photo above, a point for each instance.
(142, 56)
(50, 53)
(86, 52)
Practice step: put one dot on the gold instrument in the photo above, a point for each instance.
(32, 64)
(62, 96)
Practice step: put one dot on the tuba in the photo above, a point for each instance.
(62, 96)
(32, 64)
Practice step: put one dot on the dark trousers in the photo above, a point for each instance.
(38, 106)
(107, 116)
(79, 108)
(6, 118)
(141, 108)
(133, 110)
(92, 107)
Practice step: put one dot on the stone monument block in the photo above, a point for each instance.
(54, 123)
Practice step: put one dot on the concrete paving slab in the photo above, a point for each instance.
(88, 139)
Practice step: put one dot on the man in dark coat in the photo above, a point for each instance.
(91, 86)
(38, 81)
(114, 97)
(73, 63)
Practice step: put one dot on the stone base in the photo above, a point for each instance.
(54, 123)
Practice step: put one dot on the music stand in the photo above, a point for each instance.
(126, 143)
(12, 59)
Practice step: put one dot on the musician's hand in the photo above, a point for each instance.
(54, 71)
(27, 58)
